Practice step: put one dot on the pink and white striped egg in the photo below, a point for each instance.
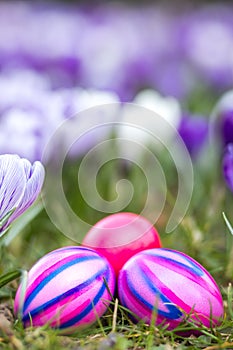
(68, 289)
(172, 286)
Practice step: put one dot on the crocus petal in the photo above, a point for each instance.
(34, 181)
(12, 183)
(222, 116)
(228, 166)
(227, 126)
(167, 107)
(194, 132)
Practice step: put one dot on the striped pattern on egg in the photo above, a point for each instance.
(67, 289)
(170, 285)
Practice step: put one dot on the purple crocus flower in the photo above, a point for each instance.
(227, 126)
(222, 119)
(194, 132)
(227, 165)
(20, 185)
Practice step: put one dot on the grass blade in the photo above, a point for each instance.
(8, 277)
(227, 223)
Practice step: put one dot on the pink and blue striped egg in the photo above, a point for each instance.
(68, 289)
(169, 287)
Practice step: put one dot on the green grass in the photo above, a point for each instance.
(203, 234)
(120, 333)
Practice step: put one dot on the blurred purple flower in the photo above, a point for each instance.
(227, 165)
(30, 116)
(21, 44)
(25, 130)
(134, 47)
(194, 131)
(20, 185)
(227, 126)
(24, 113)
(199, 32)
(72, 101)
(222, 119)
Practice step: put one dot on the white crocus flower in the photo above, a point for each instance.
(167, 107)
(156, 122)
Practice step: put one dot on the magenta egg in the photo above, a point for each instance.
(68, 288)
(171, 287)
(119, 236)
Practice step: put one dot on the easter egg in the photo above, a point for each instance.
(120, 236)
(169, 287)
(68, 289)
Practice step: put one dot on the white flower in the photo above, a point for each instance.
(167, 107)
(156, 118)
